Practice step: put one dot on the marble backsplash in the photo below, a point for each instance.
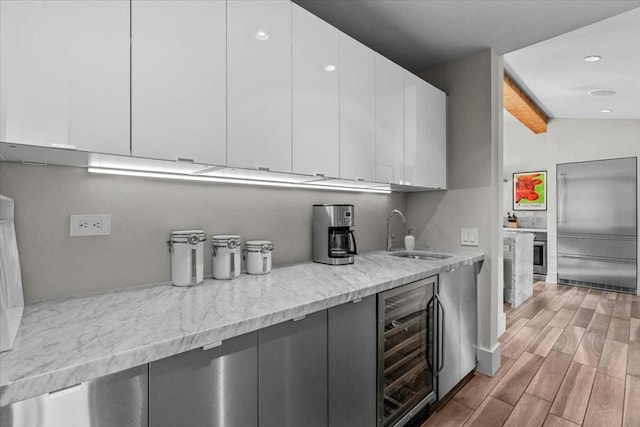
(529, 221)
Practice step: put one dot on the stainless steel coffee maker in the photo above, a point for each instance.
(334, 241)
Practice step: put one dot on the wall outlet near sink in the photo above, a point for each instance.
(90, 225)
(469, 237)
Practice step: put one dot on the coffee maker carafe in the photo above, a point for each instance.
(334, 241)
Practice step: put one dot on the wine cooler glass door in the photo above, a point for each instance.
(406, 333)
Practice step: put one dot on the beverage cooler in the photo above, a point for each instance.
(408, 320)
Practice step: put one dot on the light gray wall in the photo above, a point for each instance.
(144, 211)
(474, 159)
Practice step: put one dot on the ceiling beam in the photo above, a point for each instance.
(521, 107)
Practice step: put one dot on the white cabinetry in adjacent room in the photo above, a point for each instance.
(179, 80)
(259, 84)
(357, 110)
(316, 83)
(389, 121)
(425, 144)
(64, 74)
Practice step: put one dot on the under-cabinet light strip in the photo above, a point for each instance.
(183, 177)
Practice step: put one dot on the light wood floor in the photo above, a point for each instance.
(570, 357)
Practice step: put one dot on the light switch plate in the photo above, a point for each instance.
(469, 237)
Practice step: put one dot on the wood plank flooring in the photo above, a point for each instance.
(570, 357)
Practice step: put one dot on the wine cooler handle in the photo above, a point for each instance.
(440, 329)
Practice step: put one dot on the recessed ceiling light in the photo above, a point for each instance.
(602, 92)
(592, 58)
(262, 36)
(606, 110)
(330, 67)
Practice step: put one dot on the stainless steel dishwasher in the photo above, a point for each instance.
(408, 320)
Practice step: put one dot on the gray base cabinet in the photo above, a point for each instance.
(114, 400)
(352, 363)
(292, 370)
(457, 292)
(215, 387)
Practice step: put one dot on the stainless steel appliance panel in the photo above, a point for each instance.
(449, 293)
(539, 257)
(407, 350)
(119, 399)
(597, 223)
(457, 292)
(617, 247)
(352, 363)
(292, 372)
(589, 271)
(468, 317)
(215, 387)
(597, 197)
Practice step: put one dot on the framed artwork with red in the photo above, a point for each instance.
(530, 191)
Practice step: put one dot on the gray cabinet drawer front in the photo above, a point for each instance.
(114, 400)
(352, 363)
(293, 373)
(216, 387)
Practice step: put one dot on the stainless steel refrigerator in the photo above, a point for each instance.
(597, 224)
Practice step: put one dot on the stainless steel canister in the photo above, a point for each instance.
(226, 256)
(187, 257)
(257, 254)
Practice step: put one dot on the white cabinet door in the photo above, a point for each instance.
(65, 74)
(389, 121)
(316, 80)
(179, 80)
(259, 84)
(425, 155)
(436, 137)
(415, 123)
(357, 110)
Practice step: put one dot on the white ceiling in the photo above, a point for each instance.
(418, 34)
(555, 72)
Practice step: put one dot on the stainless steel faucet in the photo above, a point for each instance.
(389, 234)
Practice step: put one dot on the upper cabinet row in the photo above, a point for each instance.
(241, 83)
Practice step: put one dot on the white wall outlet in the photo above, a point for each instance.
(469, 237)
(90, 225)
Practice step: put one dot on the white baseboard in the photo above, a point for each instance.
(489, 360)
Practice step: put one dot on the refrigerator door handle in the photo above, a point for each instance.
(597, 258)
(597, 236)
(560, 197)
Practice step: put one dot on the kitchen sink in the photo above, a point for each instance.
(420, 255)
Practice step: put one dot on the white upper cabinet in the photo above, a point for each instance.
(64, 74)
(389, 121)
(357, 110)
(179, 80)
(436, 131)
(425, 151)
(316, 84)
(259, 84)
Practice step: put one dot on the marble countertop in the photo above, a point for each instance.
(65, 341)
(526, 230)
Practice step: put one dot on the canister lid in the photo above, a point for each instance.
(188, 236)
(263, 246)
(230, 241)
